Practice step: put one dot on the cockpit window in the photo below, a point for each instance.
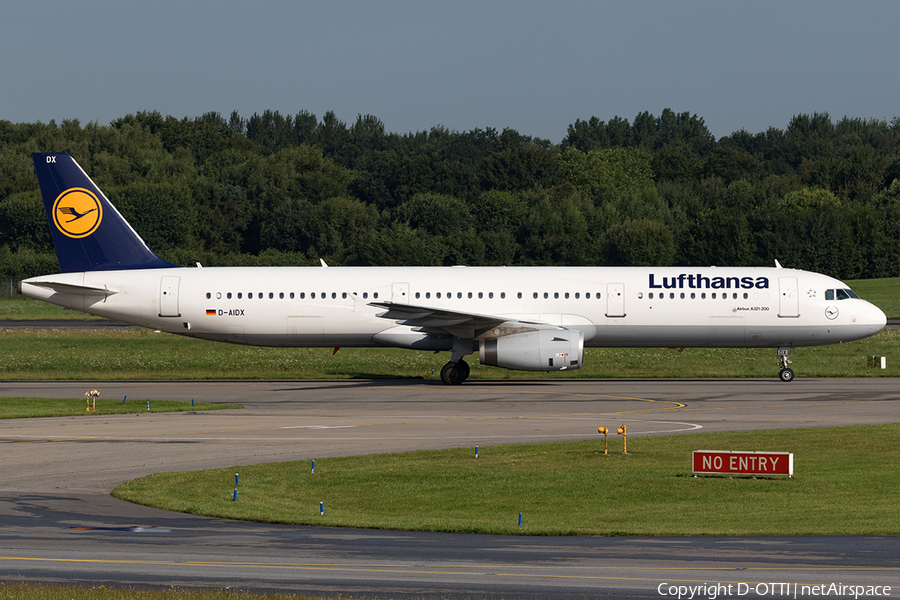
(840, 294)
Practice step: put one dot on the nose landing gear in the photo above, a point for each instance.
(785, 374)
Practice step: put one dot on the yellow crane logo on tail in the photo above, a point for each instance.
(77, 212)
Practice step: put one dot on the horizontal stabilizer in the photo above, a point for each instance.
(73, 289)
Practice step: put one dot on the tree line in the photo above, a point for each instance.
(276, 189)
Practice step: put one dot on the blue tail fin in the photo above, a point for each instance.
(88, 232)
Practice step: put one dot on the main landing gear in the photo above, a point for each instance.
(785, 374)
(457, 370)
(454, 373)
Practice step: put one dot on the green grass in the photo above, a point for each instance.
(143, 354)
(883, 293)
(18, 408)
(843, 484)
(27, 309)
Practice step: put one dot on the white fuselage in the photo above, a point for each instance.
(612, 306)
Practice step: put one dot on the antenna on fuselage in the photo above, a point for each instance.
(778, 264)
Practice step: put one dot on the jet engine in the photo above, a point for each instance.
(542, 350)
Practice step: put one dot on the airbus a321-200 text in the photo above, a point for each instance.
(525, 318)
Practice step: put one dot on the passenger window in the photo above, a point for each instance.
(208, 295)
(556, 295)
(250, 295)
(671, 295)
(218, 295)
(577, 295)
(428, 294)
(693, 296)
(375, 295)
(459, 295)
(312, 295)
(650, 295)
(535, 295)
(502, 295)
(470, 295)
(682, 295)
(640, 295)
(746, 295)
(239, 295)
(228, 295)
(703, 296)
(292, 295)
(303, 295)
(344, 295)
(281, 295)
(365, 295)
(438, 295)
(480, 295)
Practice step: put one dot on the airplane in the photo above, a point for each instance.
(523, 318)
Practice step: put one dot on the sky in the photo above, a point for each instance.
(531, 66)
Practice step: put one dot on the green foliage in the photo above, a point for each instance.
(637, 242)
(607, 173)
(278, 188)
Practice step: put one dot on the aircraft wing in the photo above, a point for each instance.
(457, 323)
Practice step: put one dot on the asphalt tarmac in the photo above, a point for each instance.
(60, 524)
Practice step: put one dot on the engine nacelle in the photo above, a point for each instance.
(542, 350)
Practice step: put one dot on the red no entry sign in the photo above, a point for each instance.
(743, 463)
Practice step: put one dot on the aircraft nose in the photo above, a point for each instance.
(877, 319)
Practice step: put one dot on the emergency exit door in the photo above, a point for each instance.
(788, 297)
(168, 297)
(615, 299)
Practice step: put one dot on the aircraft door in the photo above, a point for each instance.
(789, 298)
(615, 299)
(400, 293)
(168, 297)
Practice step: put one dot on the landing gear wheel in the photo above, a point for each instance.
(786, 375)
(465, 368)
(453, 374)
